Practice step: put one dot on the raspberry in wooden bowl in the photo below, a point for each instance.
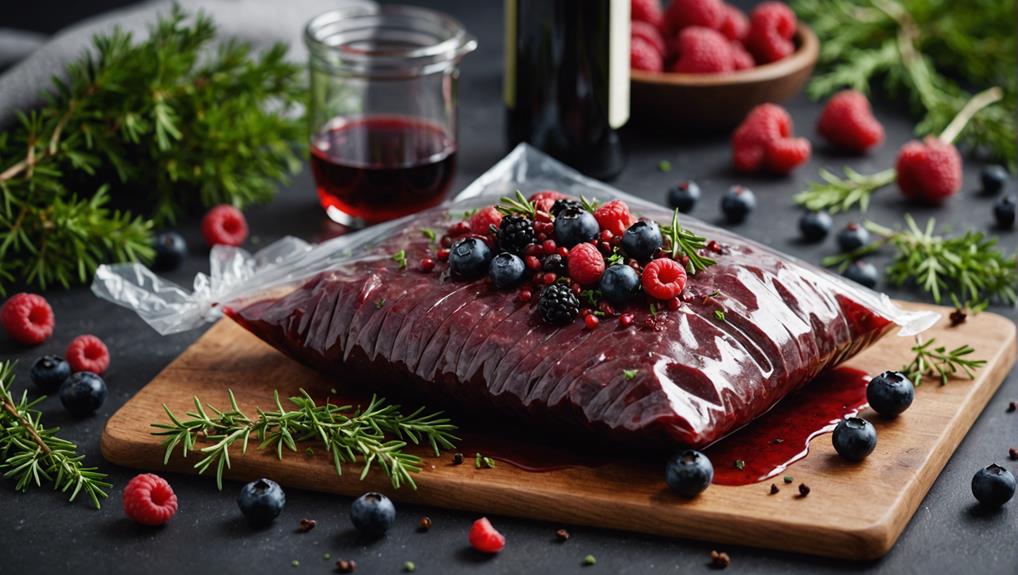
(697, 88)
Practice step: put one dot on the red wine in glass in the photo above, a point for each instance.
(378, 168)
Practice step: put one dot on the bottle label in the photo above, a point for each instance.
(618, 62)
(509, 58)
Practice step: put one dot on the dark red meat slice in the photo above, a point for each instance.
(697, 377)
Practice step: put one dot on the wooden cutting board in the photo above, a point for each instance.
(854, 510)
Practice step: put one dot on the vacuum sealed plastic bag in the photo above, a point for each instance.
(741, 335)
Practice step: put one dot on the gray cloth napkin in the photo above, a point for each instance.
(260, 22)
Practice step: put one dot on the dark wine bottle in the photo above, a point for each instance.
(566, 85)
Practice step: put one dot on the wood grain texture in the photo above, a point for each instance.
(854, 510)
(714, 102)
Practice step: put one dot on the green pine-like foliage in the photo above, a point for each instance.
(160, 128)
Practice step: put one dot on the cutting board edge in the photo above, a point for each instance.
(868, 541)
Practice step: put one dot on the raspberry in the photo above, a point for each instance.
(929, 170)
(485, 538)
(649, 33)
(544, 200)
(763, 140)
(614, 217)
(786, 154)
(847, 122)
(646, 12)
(224, 224)
(88, 353)
(703, 51)
(644, 56)
(663, 279)
(585, 264)
(735, 25)
(741, 59)
(483, 219)
(685, 13)
(149, 499)
(771, 28)
(27, 318)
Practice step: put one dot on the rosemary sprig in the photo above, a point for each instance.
(31, 453)
(685, 242)
(967, 267)
(836, 194)
(518, 205)
(589, 205)
(377, 433)
(938, 361)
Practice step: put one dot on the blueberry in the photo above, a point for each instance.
(993, 486)
(469, 258)
(853, 237)
(372, 514)
(993, 177)
(890, 393)
(854, 438)
(863, 273)
(619, 284)
(170, 251)
(506, 270)
(689, 473)
(684, 195)
(814, 226)
(1003, 211)
(737, 203)
(261, 501)
(83, 393)
(641, 240)
(48, 372)
(573, 226)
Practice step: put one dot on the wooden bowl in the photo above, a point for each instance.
(713, 102)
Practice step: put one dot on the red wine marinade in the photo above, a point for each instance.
(781, 436)
(767, 446)
(381, 167)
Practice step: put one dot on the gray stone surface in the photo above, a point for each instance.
(43, 534)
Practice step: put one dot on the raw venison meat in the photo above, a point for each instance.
(697, 376)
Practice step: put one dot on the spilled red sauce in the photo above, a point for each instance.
(767, 446)
(781, 436)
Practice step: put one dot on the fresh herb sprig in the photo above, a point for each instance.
(517, 205)
(836, 194)
(376, 433)
(967, 267)
(929, 52)
(30, 453)
(400, 259)
(684, 242)
(169, 123)
(937, 361)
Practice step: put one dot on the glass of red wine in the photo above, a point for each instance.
(383, 109)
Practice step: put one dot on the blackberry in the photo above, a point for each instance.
(558, 305)
(560, 205)
(555, 264)
(515, 233)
